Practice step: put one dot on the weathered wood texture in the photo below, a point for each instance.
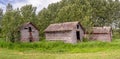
(101, 34)
(29, 33)
(64, 32)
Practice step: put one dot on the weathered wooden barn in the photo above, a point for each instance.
(101, 34)
(29, 33)
(69, 32)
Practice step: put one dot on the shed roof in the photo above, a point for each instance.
(67, 26)
(26, 24)
(101, 30)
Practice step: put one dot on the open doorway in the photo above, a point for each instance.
(30, 29)
(78, 35)
(30, 34)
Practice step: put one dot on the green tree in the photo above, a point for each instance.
(28, 13)
(13, 19)
(1, 13)
(10, 24)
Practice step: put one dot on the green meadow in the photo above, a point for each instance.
(60, 50)
(13, 54)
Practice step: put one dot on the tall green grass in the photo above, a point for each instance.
(58, 47)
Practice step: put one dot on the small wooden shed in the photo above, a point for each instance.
(101, 34)
(69, 32)
(29, 33)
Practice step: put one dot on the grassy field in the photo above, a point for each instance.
(60, 50)
(12, 54)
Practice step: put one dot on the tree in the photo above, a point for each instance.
(28, 13)
(10, 25)
(77, 10)
(9, 7)
(104, 12)
(1, 15)
(13, 19)
(67, 10)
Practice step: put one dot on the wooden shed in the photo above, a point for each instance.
(101, 34)
(69, 32)
(29, 33)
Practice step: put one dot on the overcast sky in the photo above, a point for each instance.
(19, 3)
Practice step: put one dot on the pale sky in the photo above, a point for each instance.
(40, 4)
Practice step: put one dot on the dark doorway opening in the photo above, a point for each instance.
(77, 26)
(30, 33)
(30, 29)
(78, 35)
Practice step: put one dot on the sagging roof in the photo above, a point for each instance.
(101, 30)
(67, 26)
(26, 24)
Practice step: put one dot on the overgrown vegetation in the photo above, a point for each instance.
(88, 12)
(60, 47)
